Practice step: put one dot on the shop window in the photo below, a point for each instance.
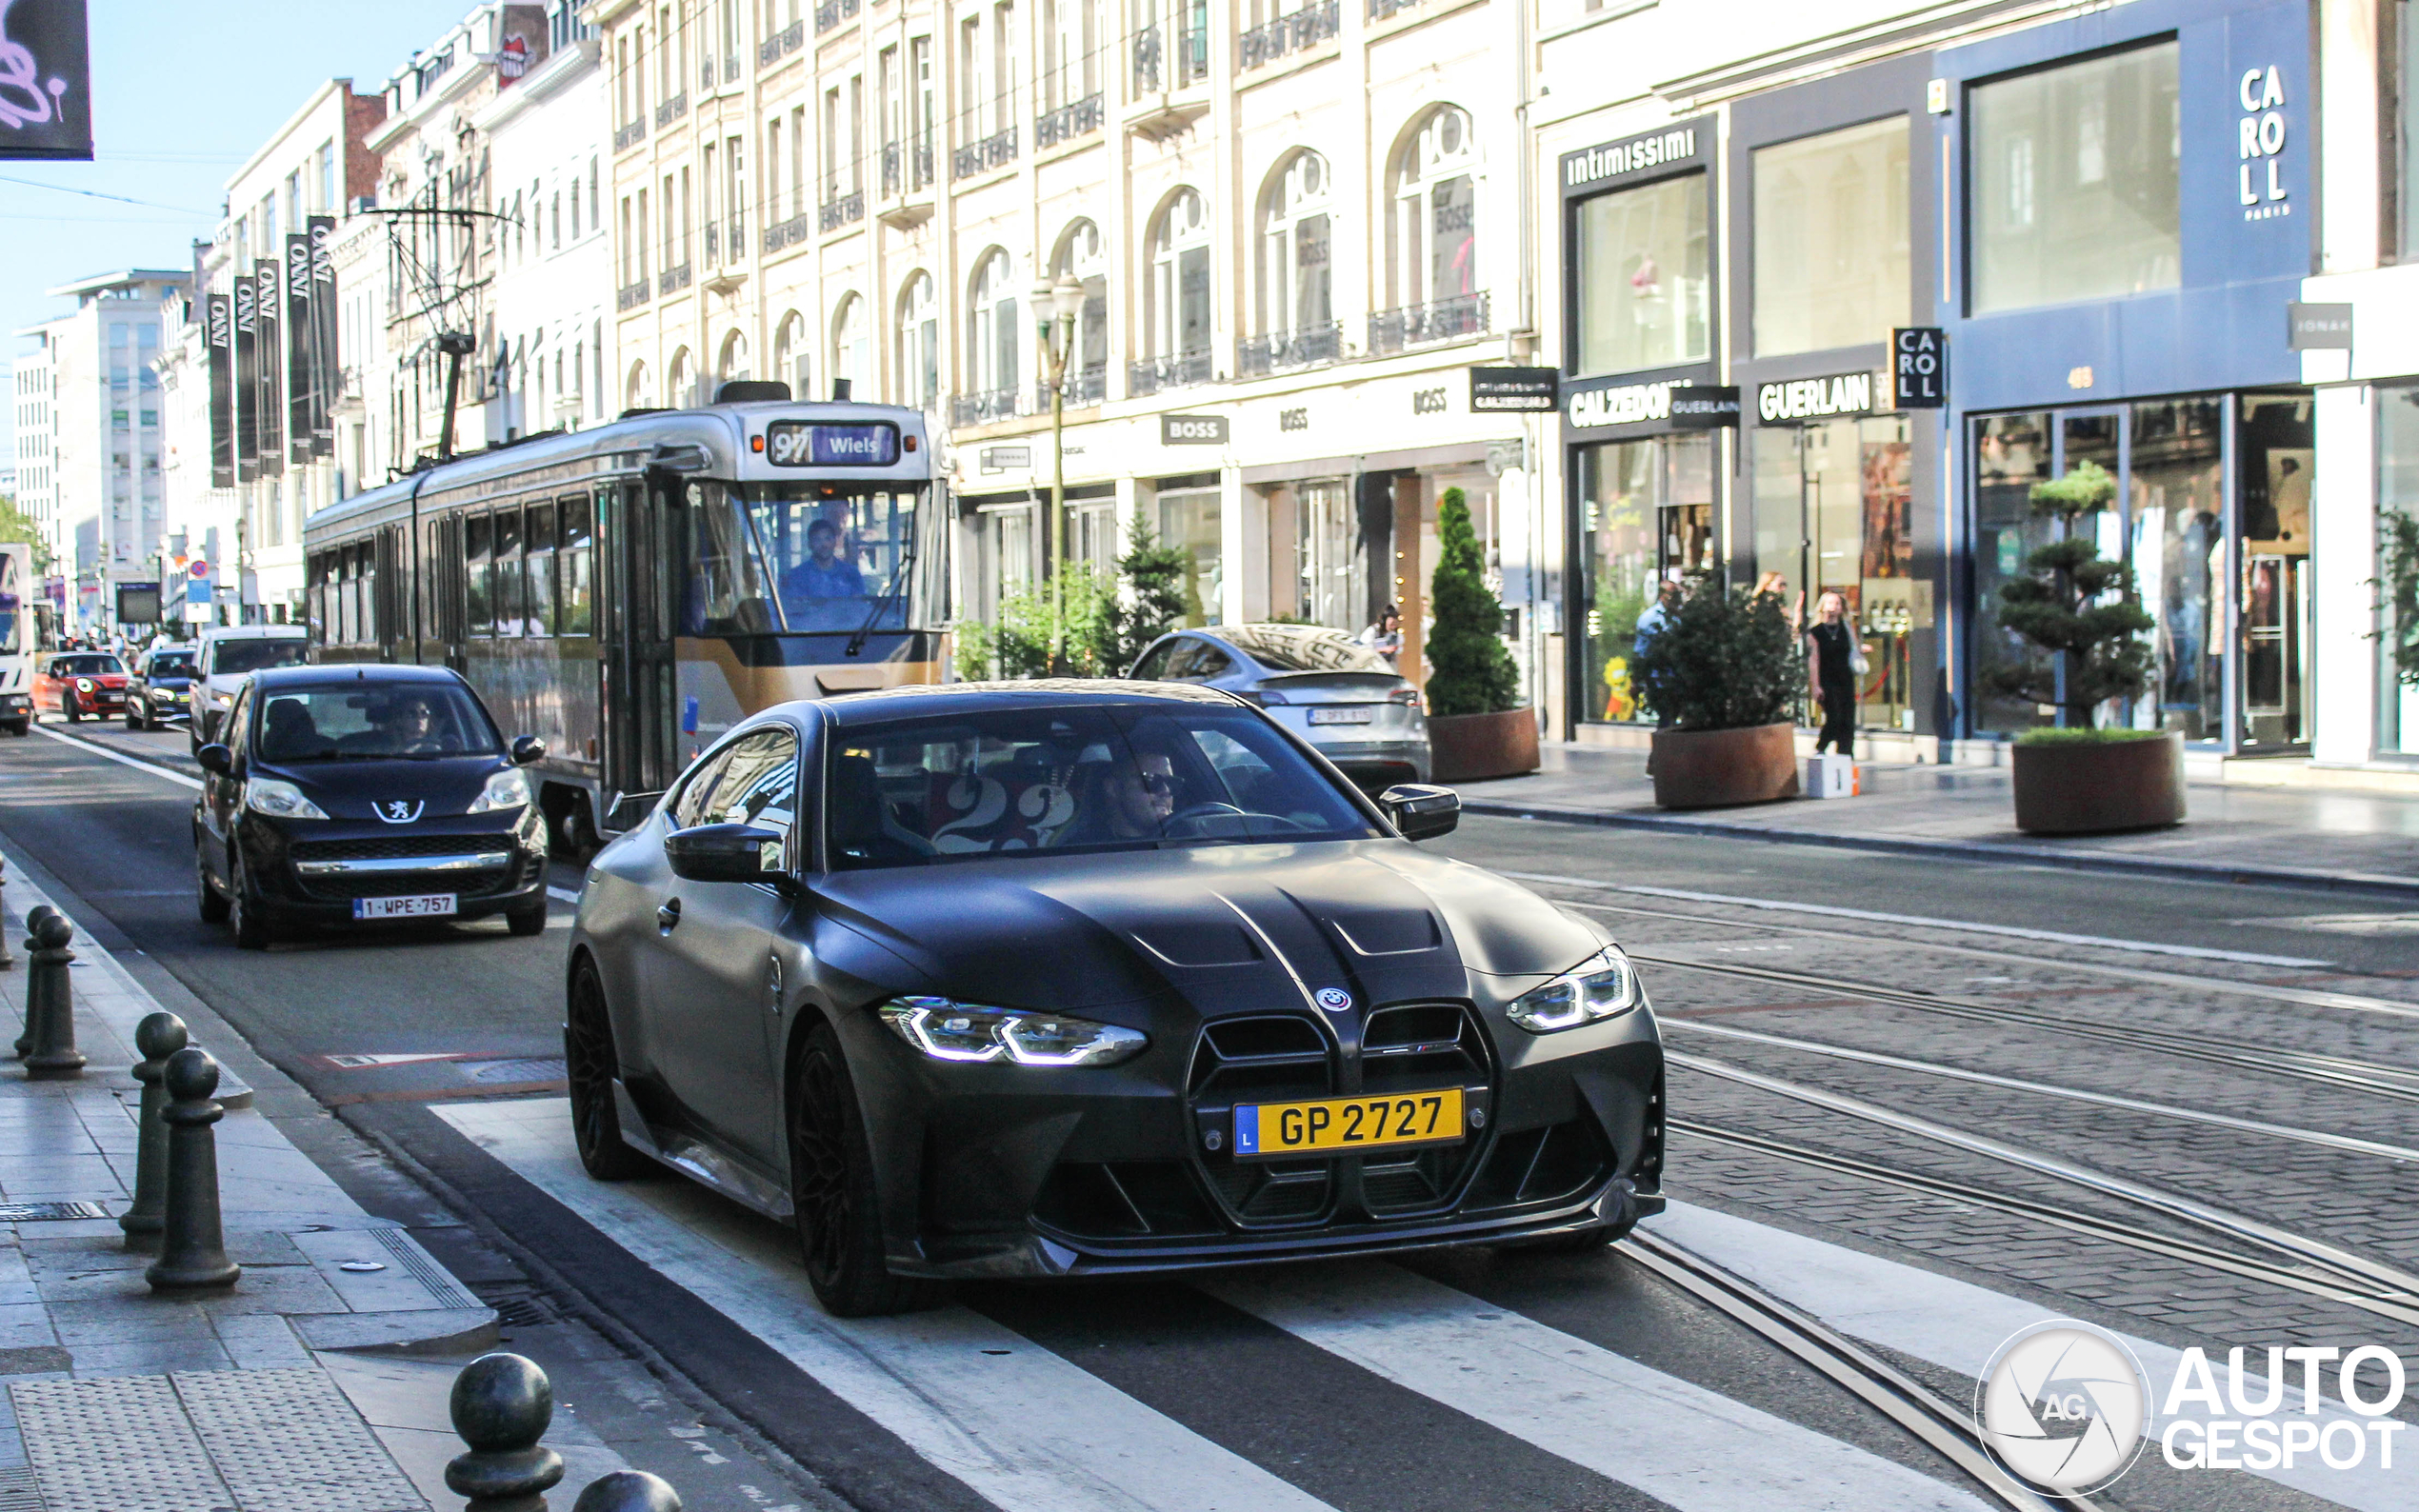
(1833, 514)
(1645, 512)
(2011, 453)
(2275, 451)
(2074, 182)
(1645, 296)
(1831, 258)
(852, 348)
(2176, 497)
(1433, 238)
(2398, 495)
(1315, 526)
(790, 363)
(1190, 521)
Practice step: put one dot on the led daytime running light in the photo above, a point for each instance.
(948, 1031)
(1604, 987)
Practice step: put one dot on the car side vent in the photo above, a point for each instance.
(1420, 1029)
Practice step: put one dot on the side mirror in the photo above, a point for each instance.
(628, 811)
(1421, 811)
(727, 853)
(216, 759)
(527, 749)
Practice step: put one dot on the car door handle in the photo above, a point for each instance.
(668, 914)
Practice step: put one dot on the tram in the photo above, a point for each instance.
(628, 594)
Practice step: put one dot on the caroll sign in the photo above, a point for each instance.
(46, 99)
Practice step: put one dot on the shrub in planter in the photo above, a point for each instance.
(2081, 781)
(1726, 674)
(1477, 725)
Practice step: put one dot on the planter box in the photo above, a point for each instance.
(1717, 769)
(1465, 748)
(2080, 790)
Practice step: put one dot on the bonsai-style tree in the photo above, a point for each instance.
(1471, 672)
(2076, 609)
(1722, 661)
(1153, 601)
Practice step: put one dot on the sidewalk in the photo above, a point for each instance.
(2292, 836)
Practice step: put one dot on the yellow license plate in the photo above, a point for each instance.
(1348, 1124)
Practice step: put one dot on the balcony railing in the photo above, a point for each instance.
(1068, 122)
(1150, 376)
(1146, 49)
(1282, 350)
(996, 150)
(672, 110)
(1084, 385)
(738, 233)
(730, 67)
(981, 410)
(827, 15)
(628, 136)
(1387, 10)
(706, 77)
(846, 210)
(781, 44)
(1306, 28)
(633, 295)
(673, 280)
(796, 229)
(1392, 330)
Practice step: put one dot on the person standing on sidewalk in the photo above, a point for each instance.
(1837, 660)
(1654, 622)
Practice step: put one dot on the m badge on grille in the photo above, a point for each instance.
(395, 812)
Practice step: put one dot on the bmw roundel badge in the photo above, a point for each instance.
(1335, 1000)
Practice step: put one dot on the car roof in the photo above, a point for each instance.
(256, 632)
(330, 673)
(929, 700)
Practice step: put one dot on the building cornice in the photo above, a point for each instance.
(562, 68)
(1945, 23)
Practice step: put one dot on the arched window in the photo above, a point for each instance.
(1432, 238)
(919, 342)
(636, 394)
(1295, 276)
(732, 365)
(990, 337)
(1083, 256)
(1177, 325)
(852, 348)
(681, 391)
(789, 362)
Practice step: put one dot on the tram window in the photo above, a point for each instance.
(317, 577)
(726, 582)
(349, 598)
(476, 537)
(541, 568)
(833, 554)
(574, 602)
(510, 600)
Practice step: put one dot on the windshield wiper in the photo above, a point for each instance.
(898, 586)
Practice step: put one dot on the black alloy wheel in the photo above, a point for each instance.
(214, 902)
(591, 1066)
(245, 914)
(831, 1184)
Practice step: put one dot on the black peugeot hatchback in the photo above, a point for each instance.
(362, 793)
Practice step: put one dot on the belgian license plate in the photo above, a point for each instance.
(1348, 1124)
(1343, 716)
(426, 906)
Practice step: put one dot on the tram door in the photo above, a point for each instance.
(635, 600)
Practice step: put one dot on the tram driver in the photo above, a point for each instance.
(822, 577)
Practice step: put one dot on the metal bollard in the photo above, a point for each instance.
(50, 1004)
(192, 1240)
(628, 1491)
(32, 920)
(501, 1405)
(159, 1036)
(8, 959)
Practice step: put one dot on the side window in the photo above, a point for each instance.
(233, 733)
(1208, 662)
(759, 785)
(697, 789)
(1181, 660)
(1153, 666)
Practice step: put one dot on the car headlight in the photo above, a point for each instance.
(505, 790)
(279, 800)
(1603, 986)
(84, 684)
(968, 1031)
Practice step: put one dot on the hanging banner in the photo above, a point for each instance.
(326, 375)
(301, 379)
(46, 97)
(246, 394)
(266, 313)
(218, 333)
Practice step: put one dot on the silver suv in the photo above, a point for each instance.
(230, 654)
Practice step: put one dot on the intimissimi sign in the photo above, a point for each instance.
(1635, 155)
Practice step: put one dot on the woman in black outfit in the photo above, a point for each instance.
(1835, 674)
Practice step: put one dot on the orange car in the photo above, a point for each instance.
(78, 684)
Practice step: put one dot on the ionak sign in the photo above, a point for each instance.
(46, 99)
(1918, 367)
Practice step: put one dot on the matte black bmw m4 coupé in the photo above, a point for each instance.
(1053, 979)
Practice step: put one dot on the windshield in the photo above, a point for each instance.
(228, 657)
(353, 723)
(1303, 649)
(92, 665)
(170, 663)
(798, 556)
(1020, 782)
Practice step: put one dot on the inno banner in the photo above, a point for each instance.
(272, 439)
(301, 381)
(247, 382)
(218, 328)
(327, 379)
(46, 95)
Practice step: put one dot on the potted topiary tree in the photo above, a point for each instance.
(1725, 675)
(1476, 724)
(2078, 612)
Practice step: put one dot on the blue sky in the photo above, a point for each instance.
(182, 94)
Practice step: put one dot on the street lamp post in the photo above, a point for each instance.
(1059, 304)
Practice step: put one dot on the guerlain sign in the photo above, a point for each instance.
(46, 101)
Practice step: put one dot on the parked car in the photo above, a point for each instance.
(161, 688)
(364, 793)
(80, 685)
(1334, 693)
(227, 654)
(1070, 979)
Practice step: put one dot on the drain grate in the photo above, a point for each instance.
(54, 1212)
(518, 1312)
(529, 1070)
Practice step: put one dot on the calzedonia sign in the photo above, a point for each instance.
(1846, 393)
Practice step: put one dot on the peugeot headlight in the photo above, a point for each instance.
(1603, 986)
(505, 790)
(947, 1031)
(279, 800)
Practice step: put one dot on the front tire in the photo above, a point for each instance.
(527, 920)
(591, 1066)
(69, 711)
(213, 904)
(134, 719)
(247, 916)
(831, 1184)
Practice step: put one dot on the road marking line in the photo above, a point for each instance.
(179, 778)
(1695, 1449)
(2012, 932)
(562, 894)
(1023, 1427)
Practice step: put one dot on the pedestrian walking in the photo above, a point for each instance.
(1839, 660)
(1653, 623)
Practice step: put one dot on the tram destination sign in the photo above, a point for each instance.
(804, 444)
